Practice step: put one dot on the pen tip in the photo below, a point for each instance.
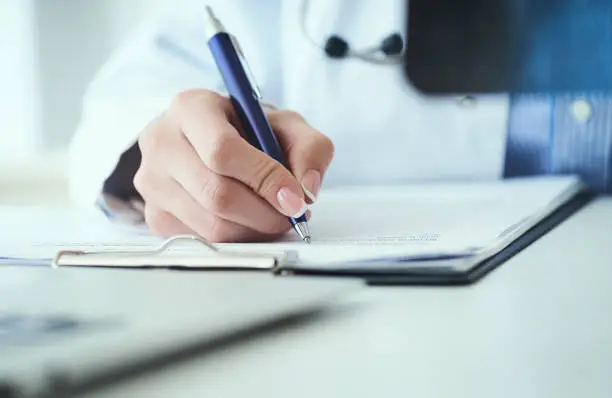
(210, 12)
(307, 239)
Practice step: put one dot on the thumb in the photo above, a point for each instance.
(309, 152)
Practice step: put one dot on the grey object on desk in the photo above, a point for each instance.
(66, 330)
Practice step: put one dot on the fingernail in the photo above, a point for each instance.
(311, 184)
(291, 204)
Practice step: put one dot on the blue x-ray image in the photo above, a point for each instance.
(509, 45)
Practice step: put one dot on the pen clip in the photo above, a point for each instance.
(247, 68)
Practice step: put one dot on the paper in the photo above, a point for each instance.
(34, 234)
(421, 220)
(347, 224)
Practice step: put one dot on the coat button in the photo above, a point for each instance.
(581, 110)
(467, 101)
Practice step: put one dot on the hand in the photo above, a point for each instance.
(198, 175)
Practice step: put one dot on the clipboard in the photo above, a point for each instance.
(209, 258)
(438, 270)
(446, 270)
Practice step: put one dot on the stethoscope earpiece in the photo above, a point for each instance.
(336, 47)
(392, 44)
(389, 50)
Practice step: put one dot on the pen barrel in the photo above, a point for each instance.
(244, 97)
(245, 100)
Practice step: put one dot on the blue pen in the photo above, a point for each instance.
(245, 96)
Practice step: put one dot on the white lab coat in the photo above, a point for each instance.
(383, 130)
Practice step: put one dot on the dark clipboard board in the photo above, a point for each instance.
(377, 274)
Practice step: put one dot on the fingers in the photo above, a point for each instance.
(170, 210)
(223, 196)
(164, 223)
(173, 178)
(309, 152)
(198, 175)
(205, 123)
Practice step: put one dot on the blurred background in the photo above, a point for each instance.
(50, 51)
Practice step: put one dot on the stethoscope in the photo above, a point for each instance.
(387, 52)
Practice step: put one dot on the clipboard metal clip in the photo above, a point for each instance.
(169, 255)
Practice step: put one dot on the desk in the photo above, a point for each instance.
(535, 327)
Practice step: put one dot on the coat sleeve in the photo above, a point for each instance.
(167, 54)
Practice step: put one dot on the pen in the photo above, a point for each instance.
(245, 96)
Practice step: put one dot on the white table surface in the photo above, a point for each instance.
(538, 326)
